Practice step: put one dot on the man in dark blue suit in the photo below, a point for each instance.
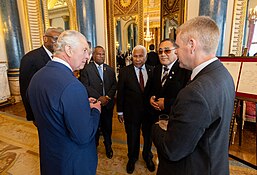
(33, 61)
(195, 139)
(168, 79)
(67, 120)
(100, 81)
(133, 107)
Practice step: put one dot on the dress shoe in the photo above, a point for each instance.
(130, 167)
(109, 153)
(150, 165)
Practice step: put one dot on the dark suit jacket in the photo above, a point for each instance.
(176, 80)
(197, 138)
(66, 124)
(93, 82)
(130, 99)
(152, 59)
(30, 64)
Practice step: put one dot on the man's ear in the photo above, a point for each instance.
(192, 44)
(45, 39)
(68, 50)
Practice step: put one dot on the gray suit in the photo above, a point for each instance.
(197, 138)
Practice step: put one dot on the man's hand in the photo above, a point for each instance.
(121, 118)
(96, 105)
(104, 100)
(92, 100)
(160, 103)
(154, 103)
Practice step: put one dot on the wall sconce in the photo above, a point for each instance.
(252, 14)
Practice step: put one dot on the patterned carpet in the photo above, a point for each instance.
(19, 152)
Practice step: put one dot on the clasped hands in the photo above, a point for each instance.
(94, 103)
(158, 104)
(104, 100)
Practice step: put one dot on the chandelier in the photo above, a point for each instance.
(253, 14)
(148, 36)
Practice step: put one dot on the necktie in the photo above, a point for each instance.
(100, 71)
(165, 75)
(141, 79)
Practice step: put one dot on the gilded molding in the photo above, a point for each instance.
(125, 10)
(34, 22)
(172, 10)
(237, 30)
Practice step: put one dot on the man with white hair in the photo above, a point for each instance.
(133, 107)
(195, 139)
(67, 120)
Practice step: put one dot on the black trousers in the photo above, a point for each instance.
(133, 139)
(105, 126)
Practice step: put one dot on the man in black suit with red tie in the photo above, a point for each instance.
(168, 79)
(133, 107)
(33, 61)
(100, 81)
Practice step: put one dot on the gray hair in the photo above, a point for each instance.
(53, 29)
(140, 47)
(68, 37)
(203, 29)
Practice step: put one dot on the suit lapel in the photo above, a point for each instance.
(93, 66)
(134, 77)
(44, 54)
(172, 73)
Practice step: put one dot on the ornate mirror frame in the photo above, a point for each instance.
(122, 8)
(172, 10)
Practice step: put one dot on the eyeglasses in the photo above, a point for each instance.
(54, 38)
(166, 51)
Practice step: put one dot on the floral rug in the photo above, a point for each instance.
(19, 152)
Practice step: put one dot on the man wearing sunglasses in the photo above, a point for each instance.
(195, 140)
(35, 60)
(168, 79)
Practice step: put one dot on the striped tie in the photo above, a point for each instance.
(165, 75)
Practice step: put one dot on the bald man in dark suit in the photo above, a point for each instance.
(100, 81)
(34, 61)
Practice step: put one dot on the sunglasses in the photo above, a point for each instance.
(166, 51)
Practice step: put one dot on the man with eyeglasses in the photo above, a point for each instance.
(100, 82)
(34, 61)
(168, 79)
(133, 107)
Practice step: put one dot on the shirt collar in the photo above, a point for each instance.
(62, 62)
(142, 68)
(48, 52)
(198, 68)
(170, 66)
(97, 65)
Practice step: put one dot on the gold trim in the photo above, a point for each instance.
(27, 27)
(237, 29)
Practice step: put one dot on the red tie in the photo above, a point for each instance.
(141, 79)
